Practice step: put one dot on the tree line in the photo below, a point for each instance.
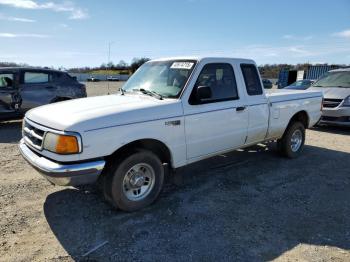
(121, 66)
(12, 64)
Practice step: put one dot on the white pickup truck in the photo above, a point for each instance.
(170, 113)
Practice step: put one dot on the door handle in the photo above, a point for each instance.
(50, 87)
(240, 108)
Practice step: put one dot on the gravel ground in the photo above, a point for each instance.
(249, 205)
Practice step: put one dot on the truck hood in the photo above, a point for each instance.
(333, 92)
(91, 113)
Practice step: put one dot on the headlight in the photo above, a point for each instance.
(347, 101)
(62, 144)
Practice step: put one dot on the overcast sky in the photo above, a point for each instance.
(77, 33)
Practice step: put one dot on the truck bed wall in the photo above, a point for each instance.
(284, 105)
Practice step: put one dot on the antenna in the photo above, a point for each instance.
(107, 67)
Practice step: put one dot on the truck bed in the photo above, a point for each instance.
(285, 103)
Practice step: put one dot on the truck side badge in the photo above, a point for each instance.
(173, 123)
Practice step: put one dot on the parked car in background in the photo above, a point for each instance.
(113, 78)
(93, 79)
(288, 76)
(335, 86)
(267, 83)
(24, 88)
(162, 120)
(300, 84)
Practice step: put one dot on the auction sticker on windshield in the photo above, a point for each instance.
(182, 65)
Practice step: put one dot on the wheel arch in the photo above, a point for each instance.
(301, 116)
(156, 146)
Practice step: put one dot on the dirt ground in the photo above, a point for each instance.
(249, 205)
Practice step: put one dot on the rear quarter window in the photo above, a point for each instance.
(63, 77)
(251, 79)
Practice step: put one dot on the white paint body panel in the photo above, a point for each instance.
(227, 129)
(285, 104)
(107, 123)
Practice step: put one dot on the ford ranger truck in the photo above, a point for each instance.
(170, 113)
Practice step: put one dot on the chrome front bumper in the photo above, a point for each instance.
(339, 116)
(61, 174)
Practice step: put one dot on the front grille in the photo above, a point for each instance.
(33, 136)
(331, 103)
(329, 118)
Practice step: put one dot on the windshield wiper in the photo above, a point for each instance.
(150, 93)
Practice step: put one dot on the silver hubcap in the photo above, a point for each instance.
(296, 140)
(138, 182)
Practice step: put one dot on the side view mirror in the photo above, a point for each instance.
(203, 92)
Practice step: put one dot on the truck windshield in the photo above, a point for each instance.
(334, 79)
(165, 78)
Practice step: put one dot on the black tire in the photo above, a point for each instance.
(284, 145)
(113, 185)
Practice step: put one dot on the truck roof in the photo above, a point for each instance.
(200, 58)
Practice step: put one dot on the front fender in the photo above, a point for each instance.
(104, 142)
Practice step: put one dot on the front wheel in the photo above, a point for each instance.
(292, 142)
(134, 182)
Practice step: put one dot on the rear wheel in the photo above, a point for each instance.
(135, 181)
(292, 142)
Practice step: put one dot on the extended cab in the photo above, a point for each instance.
(170, 113)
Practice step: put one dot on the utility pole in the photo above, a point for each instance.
(109, 60)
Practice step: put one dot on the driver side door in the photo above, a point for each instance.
(219, 123)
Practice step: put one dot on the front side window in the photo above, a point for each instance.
(6, 80)
(35, 77)
(166, 78)
(251, 79)
(220, 78)
(334, 79)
